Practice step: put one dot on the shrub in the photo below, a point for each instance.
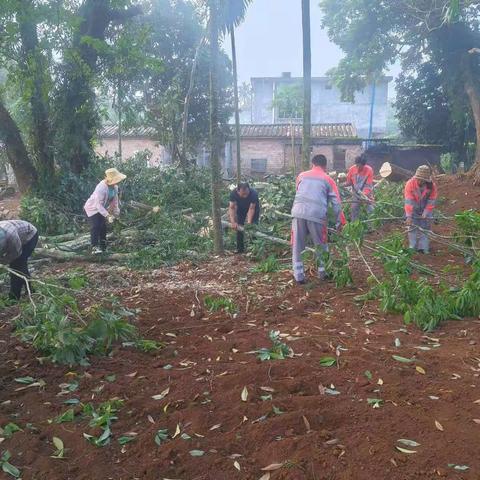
(62, 331)
(45, 215)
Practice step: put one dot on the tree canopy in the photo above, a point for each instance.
(67, 64)
(375, 34)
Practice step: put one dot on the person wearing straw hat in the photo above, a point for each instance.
(102, 206)
(420, 198)
(18, 240)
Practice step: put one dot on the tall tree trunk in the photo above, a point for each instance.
(119, 114)
(214, 130)
(294, 157)
(33, 67)
(237, 111)
(472, 90)
(186, 105)
(17, 155)
(307, 84)
(78, 118)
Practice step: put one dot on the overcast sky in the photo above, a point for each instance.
(270, 41)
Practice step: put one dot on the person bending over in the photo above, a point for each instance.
(244, 207)
(315, 192)
(18, 240)
(420, 198)
(360, 178)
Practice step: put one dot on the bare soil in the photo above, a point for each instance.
(316, 422)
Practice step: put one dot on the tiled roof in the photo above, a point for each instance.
(300, 79)
(319, 130)
(278, 130)
(110, 131)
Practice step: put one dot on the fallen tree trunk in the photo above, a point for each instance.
(59, 238)
(394, 173)
(69, 256)
(156, 209)
(82, 242)
(143, 206)
(255, 233)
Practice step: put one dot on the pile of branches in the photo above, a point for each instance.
(165, 218)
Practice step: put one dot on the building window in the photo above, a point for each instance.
(258, 165)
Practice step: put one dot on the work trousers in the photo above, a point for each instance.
(419, 239)
(98, 231)
(301, 230)
(355, 211)
(241, 235)
(20, 265)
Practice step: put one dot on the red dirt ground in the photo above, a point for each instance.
(314, 435)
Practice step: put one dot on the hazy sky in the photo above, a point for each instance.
(270, 41)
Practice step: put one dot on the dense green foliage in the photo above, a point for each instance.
(181, 227)
(468, 224)
(70, 65)
(428, 114)
(433, 41)
(60, 329)
(420, 302)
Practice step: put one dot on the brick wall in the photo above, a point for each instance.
(130, 146)
(278, 153)
(270, 149)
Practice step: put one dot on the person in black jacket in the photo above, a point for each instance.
(244, 208)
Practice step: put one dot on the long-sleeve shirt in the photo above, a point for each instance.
(419, 200)
(15, 234)
(361, 179)
(315, 191)
(100, 201)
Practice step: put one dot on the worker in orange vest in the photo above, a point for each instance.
(420, 199)
(315, 192)
(360, 178)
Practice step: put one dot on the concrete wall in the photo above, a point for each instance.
(278, 153)
(327, 106)
(131, 146)
(262, 98)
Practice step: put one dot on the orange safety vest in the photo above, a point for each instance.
(419, 200)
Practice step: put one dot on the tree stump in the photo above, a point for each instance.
(394, 173)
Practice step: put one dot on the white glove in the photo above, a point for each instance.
(110, 218)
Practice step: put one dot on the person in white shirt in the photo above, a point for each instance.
(102, 206)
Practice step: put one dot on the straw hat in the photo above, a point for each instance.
(113, 176)
(423, 173)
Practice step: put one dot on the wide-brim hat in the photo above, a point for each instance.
(113, 176)
(423, 173)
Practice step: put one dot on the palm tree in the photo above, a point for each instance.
(233, 14)
(213, 35)
(307, 84)
(224, 15)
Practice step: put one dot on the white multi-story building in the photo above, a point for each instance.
(370, 104)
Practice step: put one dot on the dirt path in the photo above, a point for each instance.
(301, 422)
(341, 422)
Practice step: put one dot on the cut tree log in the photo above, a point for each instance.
(255, 233)
(394, 173)
(144, 206)
(59, 238)
(82, 242)
(71, 256)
